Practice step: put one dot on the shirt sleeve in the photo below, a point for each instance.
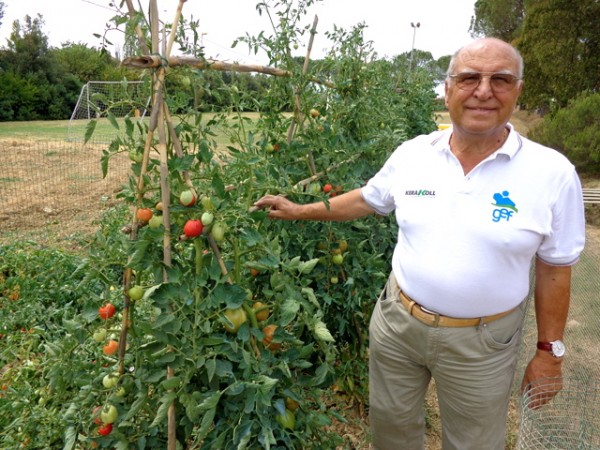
(566, 240)
(378, 190)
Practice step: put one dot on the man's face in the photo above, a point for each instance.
(482, 111)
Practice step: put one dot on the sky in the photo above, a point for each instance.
(391, 24)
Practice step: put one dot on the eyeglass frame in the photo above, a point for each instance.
(482, 75)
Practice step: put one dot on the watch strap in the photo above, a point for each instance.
(547, 346)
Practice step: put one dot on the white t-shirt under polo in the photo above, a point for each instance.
(466, 243)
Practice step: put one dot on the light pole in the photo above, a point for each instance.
(412, 50)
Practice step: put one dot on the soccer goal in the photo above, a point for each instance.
(98, 98)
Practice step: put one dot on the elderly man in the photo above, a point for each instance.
(476, 205)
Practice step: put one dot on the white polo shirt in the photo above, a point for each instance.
(466, 243)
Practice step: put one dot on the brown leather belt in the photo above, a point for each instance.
(436, 320)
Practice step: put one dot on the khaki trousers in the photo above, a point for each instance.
(473, 368)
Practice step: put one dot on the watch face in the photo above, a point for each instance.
(558, 348)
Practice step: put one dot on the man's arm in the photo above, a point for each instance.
(348, 206)
(552, 296)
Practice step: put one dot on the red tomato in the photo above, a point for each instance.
(192, 228)
(107, 311)
(105, 430)
(327, 188)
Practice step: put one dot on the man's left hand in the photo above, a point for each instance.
(542, 379)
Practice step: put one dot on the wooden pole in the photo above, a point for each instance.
(154, 62)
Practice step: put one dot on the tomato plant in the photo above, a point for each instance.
(180, 347)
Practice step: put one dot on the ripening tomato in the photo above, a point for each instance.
(267, 341)
(107, 311)
(105, 429)
(192, 228)
(187, 198)
(262, 311)
(144, 214)
(96, 415)
(111, 347)
(237, 317)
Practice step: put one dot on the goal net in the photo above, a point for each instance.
(99, 98)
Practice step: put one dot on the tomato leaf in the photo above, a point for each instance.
(70, 438)
(171, 383)
(89, 130)
(165, 401)
(289, 309)
(113, 120)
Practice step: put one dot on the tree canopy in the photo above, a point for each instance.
(559, 41)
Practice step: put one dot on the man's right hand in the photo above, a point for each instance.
(279, 207)
(348, 206)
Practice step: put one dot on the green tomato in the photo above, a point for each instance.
(136, 293)
(100, 335)
(136, 156)
(110, 380)
(207, 218)
(207, 203)
(109, 414)
(155, 221)
(337, 259)
(286, 420)
(218, 231)
(120, 392)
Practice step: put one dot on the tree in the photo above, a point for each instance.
(498, 18)
(37, 86)
(560, 44)
(1, 11)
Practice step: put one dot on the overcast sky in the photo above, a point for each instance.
(443, 24)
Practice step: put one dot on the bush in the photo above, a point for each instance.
(574, 131)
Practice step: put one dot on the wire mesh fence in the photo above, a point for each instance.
(54, 189)
(571, 421)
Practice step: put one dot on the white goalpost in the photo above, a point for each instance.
(98, 98)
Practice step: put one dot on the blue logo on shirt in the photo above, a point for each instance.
(506, 207)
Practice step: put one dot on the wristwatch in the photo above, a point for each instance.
(556, 348)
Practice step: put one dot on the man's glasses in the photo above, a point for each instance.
(500, 82)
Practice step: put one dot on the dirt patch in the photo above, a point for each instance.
(54, 190)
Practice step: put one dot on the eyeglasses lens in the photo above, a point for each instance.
(500, 82)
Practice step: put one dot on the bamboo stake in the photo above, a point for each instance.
(138, 31)
(174, 29)
(154, 61)
(298, 116)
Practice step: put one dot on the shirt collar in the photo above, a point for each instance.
(440, 140)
